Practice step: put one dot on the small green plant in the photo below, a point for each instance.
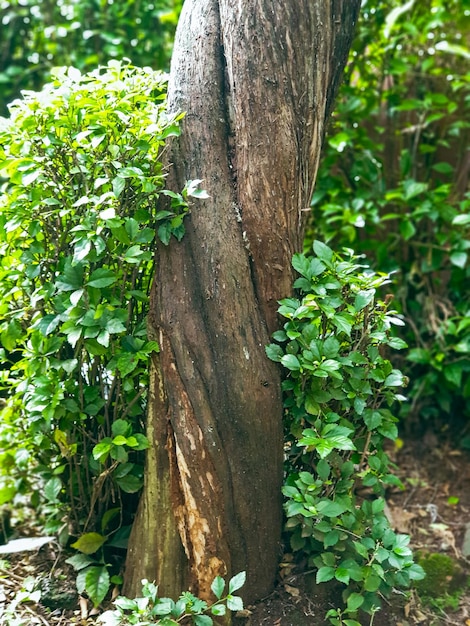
(339, 391)
(150, 609)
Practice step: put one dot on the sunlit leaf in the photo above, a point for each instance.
(89, 543)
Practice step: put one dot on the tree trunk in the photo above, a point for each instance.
(257, 80)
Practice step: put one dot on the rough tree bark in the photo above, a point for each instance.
(257, 80)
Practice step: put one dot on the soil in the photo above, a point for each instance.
(434, 509)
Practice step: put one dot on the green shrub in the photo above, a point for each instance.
(82, 167)
(339, 391)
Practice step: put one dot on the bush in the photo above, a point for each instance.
(339, 392)
(83, 166)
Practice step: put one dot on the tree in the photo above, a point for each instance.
(257, 82)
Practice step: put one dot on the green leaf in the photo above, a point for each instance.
(234, 603)
(306, 478)
(120, 427)
(102, 277)
(142, 442)
(236, 582)
(7, 494)
(118, 185)
(73, 335)
(363, 298)
(325, 574)
(115, 326)
(103, 338)
(393, 16)
(323, 252)
(119, 440)
(79, 561)
(218, 609)
(372, 583)
(394, 379)
(378, 505)
(407, 229)
(71, 279)
(202, 620)
(129, 483)
(164, 233)
(419, 355)
(342, 575)
(11, 335)
(331, 347)
(48, 324)
(355, 601)
(459, 259)
(274, 352)
(134, 254)
(361, 549)
(331, 539)
(218, 586)
(301, 264)
(443, 168)
(453, 48)
(102, 449)
(126, 604)
(291, 362)
(127, 363)
(52, 488)
(89, 543)
(97, 584)
(372, 419)
(461, 220)
(108, 516)
(119, 453)
(343, 323)
(323, 469)
(396, 343)
(330, 508)
(416, 572)
(413, 188)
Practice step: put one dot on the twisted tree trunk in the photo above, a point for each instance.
(257, 80)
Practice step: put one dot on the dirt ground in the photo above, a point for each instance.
(434, 509)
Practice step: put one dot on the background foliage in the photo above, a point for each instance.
(394, 185)
(40, 34)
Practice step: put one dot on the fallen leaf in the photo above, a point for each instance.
(293, 591)
(407, 609)
(400, 518)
